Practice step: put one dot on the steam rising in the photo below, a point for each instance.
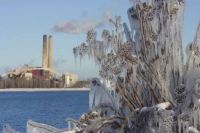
(73, 26)
(83, 25)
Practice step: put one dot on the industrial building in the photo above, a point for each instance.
(46, 71)
(43, 76)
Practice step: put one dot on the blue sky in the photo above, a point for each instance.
(23, 22)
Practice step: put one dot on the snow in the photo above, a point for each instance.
(8, 129)
(162, 106)
(193, 130)
(73, 131)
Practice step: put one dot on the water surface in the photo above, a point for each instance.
(45, 107)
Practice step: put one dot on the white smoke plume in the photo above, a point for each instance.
(74, 26)
(83, 25)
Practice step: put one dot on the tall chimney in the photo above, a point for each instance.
(44, 53)
(50, 52)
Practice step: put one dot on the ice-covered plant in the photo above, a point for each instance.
(147, 70)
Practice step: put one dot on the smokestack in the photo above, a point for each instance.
(44, 53)
(50, 52)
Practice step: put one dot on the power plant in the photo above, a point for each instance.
(46, 71)
(43, 76)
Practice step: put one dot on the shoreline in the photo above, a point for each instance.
(42, 89)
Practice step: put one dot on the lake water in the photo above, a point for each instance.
(46, 107)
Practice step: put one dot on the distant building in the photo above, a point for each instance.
(31, 72)
(69, 79)
(44, 72)
(44, 76)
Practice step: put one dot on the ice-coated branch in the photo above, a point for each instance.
(147, 71)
